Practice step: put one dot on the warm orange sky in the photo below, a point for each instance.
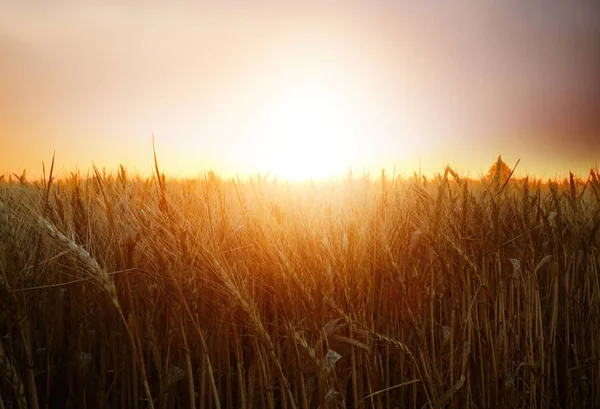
(301, 88)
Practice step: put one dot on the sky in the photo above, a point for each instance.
(303, 89)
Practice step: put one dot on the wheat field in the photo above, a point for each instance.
(121, 291)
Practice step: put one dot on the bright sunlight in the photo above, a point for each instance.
(309, 116)
(308, 133)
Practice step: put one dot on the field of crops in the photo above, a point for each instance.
(130, 292)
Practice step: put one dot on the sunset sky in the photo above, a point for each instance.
(301, 88)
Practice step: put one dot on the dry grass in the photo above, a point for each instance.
(128, 292)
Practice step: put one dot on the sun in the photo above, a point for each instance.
(306, 122)
(307, 132)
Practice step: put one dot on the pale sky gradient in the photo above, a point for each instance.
(405, 84)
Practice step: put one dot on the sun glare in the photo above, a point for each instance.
(307, 120)
(307, 133)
